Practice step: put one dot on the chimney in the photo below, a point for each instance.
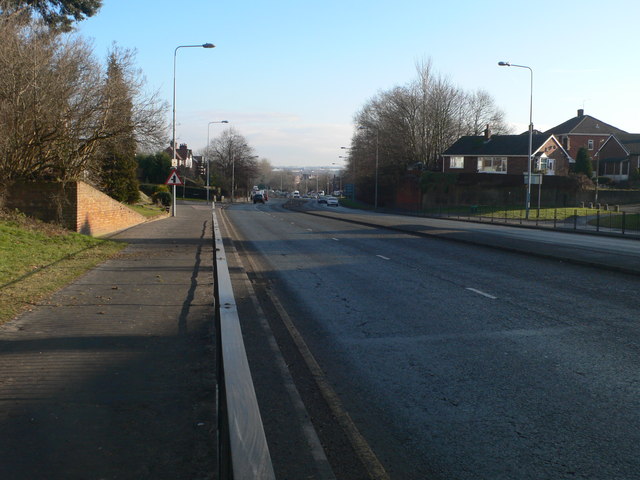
(487, 133)
(581, 112)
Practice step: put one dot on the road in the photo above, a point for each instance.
(457, 361)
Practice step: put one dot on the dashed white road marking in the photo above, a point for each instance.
(383, 257)
(479, 292)
(336, 239)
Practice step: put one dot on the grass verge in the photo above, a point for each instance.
(37, 259)
(148, 210)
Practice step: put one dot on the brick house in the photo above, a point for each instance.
(614, 152)
(506, 155)
(583, 131)
(184, 155)
(618, 156)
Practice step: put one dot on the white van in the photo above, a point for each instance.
(296, 194)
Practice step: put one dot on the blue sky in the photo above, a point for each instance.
(290, 75)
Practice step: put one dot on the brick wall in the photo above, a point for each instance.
(77, 206)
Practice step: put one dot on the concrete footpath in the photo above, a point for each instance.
(606, 251)
(114, 377)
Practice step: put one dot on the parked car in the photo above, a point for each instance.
(331, 201)
(322, 199)
(258, 198)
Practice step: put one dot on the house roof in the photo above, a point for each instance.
(584, 124)
(631, 141)
(512, 145)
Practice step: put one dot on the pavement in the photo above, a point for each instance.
(603, 250)
(114, 376)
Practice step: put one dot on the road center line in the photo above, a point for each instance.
(383, 257)
(336, 239)
(479, 292)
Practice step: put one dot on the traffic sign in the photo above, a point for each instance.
(173, 179)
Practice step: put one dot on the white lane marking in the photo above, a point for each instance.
(383, 257)
(336, 239)
(309, 230)
(479, 292)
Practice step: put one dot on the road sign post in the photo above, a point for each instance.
(173, 180)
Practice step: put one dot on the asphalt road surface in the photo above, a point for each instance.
(457, 361)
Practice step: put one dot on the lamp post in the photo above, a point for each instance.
(528, 200)
(173, 123)
(206, 154)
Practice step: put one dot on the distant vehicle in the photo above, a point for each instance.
(258, 198)
(296, 194)
(331, 201)
(322, 199)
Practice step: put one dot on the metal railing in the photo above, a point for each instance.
(576, 219)
(243, 453)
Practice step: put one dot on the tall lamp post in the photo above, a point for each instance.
(206, 154)
(173, 123)
(528, 200)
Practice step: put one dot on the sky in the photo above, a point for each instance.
(289, 75)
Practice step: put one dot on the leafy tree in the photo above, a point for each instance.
(583, 163)
(154, 168)
(117, 153)
(57, 14)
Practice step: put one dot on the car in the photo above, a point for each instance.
(296, 194)
(322, 199)
(332, 201)
(258, 198)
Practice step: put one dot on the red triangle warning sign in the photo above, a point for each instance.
(173, 179)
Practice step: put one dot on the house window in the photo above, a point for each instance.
(590, 144)
(456, 162)
(492, 165)
(545, 164)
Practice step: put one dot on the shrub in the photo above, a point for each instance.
(162, 198)
(151, 188)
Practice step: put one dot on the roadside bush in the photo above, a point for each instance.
(162, 198)
(151, 188)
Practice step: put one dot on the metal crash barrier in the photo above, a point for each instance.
(243, 453)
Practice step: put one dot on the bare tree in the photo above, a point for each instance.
(479, 111)
(57, 109)
(233, 159)
(411, 125)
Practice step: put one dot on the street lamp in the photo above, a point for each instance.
(173, 128)
(528, 200)
(206, 154)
